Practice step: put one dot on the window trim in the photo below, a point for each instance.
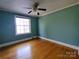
(23, 18)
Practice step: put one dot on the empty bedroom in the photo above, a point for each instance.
(39, 29)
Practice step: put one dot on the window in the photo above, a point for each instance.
(23, 26)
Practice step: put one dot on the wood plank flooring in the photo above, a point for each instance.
(37, 49)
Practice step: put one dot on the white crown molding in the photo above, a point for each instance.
(61, 43)
(60, 9)
(14, 42)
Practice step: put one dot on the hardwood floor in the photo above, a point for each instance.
(37, 49)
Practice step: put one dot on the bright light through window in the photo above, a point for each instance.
(23, 26)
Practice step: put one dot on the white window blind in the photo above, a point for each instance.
(23, 26)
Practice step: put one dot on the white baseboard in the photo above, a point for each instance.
(61, 43)
(14, 42)
(34, 36)
(58, 42)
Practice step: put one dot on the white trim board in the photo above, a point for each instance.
(61, 43)
(14, 42)
(34, 36)
(71, 5)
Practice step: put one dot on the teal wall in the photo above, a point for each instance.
(61, 26)
(7, 28)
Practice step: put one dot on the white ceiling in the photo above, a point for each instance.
(18, 6)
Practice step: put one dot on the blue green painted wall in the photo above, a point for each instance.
(7, 28)
(61, 26)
